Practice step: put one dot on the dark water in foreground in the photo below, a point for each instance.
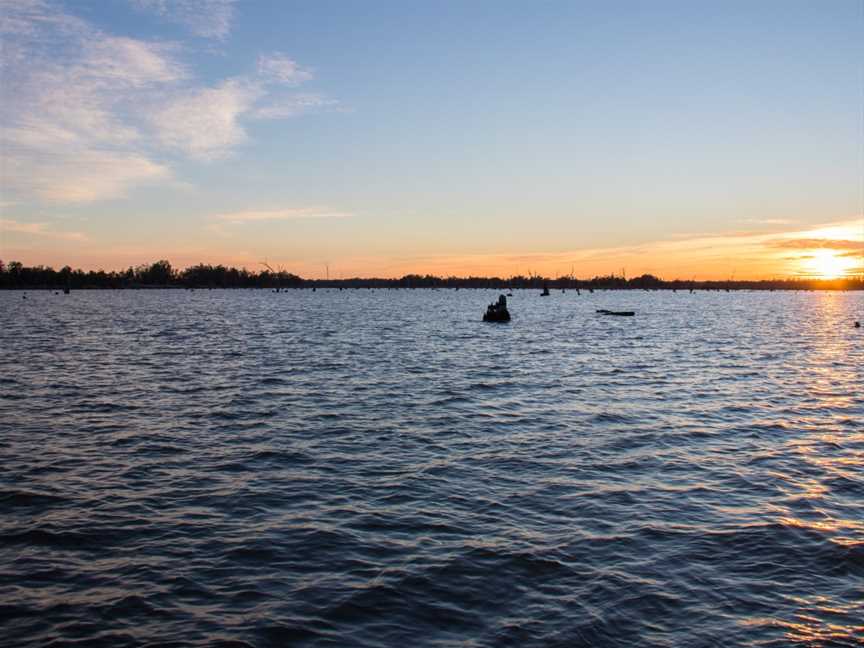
(379, 468)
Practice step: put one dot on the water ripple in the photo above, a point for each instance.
(369, 468)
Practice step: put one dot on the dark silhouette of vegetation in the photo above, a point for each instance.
(156, 275)
(162, 274)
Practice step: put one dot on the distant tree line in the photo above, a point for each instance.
(162, 274)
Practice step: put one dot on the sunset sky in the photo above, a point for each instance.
(685, 139)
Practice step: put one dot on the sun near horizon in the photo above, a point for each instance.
(826, 264)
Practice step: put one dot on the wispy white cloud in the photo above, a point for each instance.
(293, 105)
(65, 134)
(25, 18)
(224, 225)
(88, 116)
(205, 18)
(204, 124)
(113, 61)
(278, 68)
(39, 229)
(87, 176)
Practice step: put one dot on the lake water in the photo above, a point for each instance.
(380, 468)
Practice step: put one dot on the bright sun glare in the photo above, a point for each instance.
(827, 265)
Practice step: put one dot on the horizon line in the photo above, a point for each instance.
(855, 275)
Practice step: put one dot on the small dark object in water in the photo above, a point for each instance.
(857, 324)
(545, 292)
(497, 312)
(603, 311)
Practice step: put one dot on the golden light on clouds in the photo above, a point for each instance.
(830, 252)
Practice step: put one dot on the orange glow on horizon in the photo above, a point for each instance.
(830, 251)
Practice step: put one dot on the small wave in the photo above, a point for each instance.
(281, 457)
(12, 499)
(60, 539)
(613, 417)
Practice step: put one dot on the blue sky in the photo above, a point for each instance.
(390, 137)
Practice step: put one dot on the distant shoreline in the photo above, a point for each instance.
(16, 276)
(856, 287)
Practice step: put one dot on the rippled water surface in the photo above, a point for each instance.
(380, 468)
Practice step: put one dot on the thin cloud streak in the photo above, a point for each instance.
(293, 106)
(300, 213)
(767, 221)
(278, 68)
(818, 244)
(223, 225)
(39, 229)
(204, 18)
(87, 176)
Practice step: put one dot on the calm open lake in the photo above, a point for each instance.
(380, 468)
